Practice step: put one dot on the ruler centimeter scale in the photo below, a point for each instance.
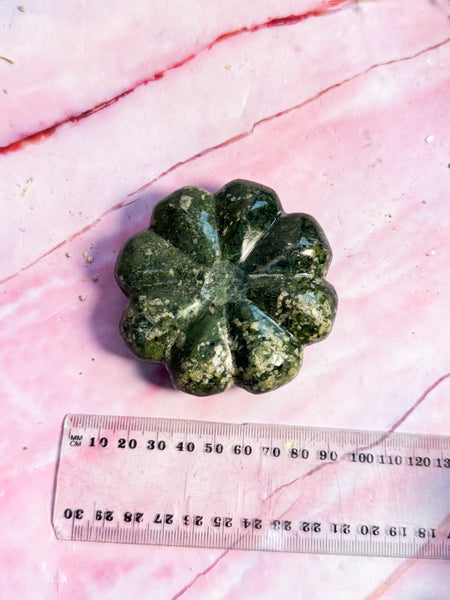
(253, 486)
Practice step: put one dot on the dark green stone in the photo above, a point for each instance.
(243, 214)
(295, 244)
(201, 361)
(186, 220)
(225, 288)
(265, 355)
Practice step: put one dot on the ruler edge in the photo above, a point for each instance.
(278, 550)
(246, 424)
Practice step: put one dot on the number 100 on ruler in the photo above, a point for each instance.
(252, 486)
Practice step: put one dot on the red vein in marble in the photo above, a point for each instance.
(201, 574)
(417, 403)
(399, 571)
(60, 245)
(286, 111)
(324, 8)
(64, 242)
(286, 485)
(395, 426)
(394, 576)
(223, 145)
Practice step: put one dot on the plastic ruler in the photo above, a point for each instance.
(253, 486)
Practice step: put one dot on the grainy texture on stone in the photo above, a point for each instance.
(225, 288)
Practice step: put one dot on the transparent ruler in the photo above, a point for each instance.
(253, 486)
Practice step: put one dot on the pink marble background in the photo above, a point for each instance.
(106, 107)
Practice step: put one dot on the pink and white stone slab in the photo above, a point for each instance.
(342, 108)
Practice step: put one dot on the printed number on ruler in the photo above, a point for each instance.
(253, 486)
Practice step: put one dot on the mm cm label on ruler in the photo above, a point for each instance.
(253, 486)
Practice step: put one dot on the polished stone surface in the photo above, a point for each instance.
(258, 297)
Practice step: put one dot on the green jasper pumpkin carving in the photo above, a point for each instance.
(226, 288)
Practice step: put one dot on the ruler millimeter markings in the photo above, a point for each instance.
(253, 486)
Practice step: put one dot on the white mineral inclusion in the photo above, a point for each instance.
(218, 363)
(185, 202)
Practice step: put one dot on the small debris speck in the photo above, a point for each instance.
(85, 254)
(68, 254)
(429, 139)
(90, 259)
(82, 298)
(95, 277)
(22, 8)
